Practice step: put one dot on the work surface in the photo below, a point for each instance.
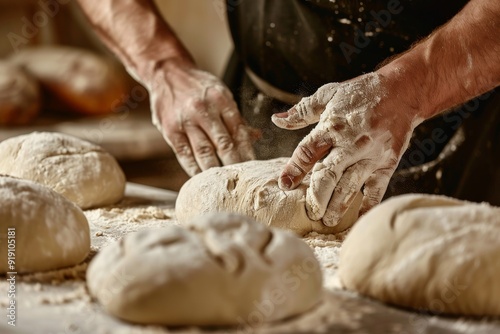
(58, 301)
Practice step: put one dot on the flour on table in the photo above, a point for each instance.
(218, 271)
(326, 248)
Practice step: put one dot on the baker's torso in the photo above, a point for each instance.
(299, 45)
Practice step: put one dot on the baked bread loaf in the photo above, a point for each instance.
(19, 96)
(83, 81)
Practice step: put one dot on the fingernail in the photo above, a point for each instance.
(281, 114)
(285, 182)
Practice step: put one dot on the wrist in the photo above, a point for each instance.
(164, 69)
(407, 80)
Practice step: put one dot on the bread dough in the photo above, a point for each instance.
(225, 270)
(82, 172)
(251, 188)
(50, 232)
(86, 82)
(19, 96)
(427, 252)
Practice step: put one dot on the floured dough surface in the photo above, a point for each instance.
(80, 171)
(224, 269)
(46, 230)
(251, 188)
(427, 252)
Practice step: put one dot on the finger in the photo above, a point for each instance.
(311, 149)
(324, 179)
(222, 141)
(241, 134)
(375, 187)
(203, 150)
(244, 141)
(182, 149)
(307, 111)
(347, 188)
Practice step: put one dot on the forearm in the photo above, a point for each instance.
(456, 63)
(135, 31)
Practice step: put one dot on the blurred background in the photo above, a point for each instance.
(211, 47)
(145, 157)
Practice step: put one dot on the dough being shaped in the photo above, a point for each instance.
(80, 171)
(251, 188)
(41, 229)
(426, 252)
(225, 269)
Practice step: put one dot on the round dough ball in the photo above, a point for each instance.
(42, 229)
(251, 188)
(19, 96)
(88, 83)
(82, 172)
(427, 252)
(225, 270)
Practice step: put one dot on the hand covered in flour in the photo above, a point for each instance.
(198, 118)
(362, 132)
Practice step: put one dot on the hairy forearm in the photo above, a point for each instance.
(135, 31)
(454, 64)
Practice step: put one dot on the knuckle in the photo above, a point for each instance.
(305, 155)
(295, 168)
(302, 108)
(347, 187)
(181, 149)
(362, 141)
(203, 149)
(375, 196)
(231, 112)
(217, 96)
(224, 143)
(195, 103)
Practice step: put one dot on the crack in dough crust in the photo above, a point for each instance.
(217, 271)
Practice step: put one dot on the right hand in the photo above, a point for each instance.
(198, 118)
(364, 127)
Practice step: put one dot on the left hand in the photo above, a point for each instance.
(364, 128)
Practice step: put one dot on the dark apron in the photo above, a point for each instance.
(299, 45)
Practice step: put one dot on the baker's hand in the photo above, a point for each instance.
(363, 130)
(198, 118)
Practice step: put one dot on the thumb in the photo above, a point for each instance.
(307, 111)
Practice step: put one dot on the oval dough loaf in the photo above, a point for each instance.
(251, 188)
(225, 270)
(427, 252)
(83, 80)
(50, 231)
(82, 172)
(19, 96)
